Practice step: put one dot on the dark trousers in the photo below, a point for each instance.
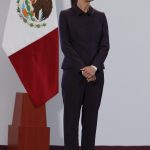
(77, 93)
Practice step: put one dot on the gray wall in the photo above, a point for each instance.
(124, 112)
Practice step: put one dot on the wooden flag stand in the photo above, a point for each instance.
(28, 130)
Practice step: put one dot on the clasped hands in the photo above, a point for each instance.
(89, 73)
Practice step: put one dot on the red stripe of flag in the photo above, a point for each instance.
(37, 66)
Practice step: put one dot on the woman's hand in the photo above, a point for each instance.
(93, 78)
(89, 73)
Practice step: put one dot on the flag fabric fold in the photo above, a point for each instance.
(31, 43)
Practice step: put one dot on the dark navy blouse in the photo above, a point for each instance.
(84, 38)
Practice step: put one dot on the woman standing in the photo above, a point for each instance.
(84, 42)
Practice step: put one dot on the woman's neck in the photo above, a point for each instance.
(83, 5)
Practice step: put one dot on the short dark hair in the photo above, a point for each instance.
(74, 2)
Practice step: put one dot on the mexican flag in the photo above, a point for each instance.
(31, 43)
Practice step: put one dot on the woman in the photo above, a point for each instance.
(84, 41)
